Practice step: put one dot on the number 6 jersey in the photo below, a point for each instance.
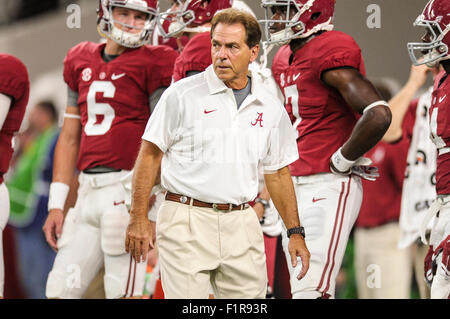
(114, 99)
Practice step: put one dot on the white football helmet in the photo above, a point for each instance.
(107, 27)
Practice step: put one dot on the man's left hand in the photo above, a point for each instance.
(297, 248)
(139, 238)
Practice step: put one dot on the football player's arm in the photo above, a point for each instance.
(400, 103)
(281, 189)
(146, 169)
(5, 104)
(64, 164)
(362, 97)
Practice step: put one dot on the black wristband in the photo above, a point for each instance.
(296, 230)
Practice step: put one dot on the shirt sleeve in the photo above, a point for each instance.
(282, 149)
(343, 52)
(163, 123)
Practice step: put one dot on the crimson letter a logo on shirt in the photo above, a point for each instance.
(259, 120)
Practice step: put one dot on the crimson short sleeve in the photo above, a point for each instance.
(341, 51)
(196, 56)
(282, 149)
(70, 76)
(163, 124)
(14, 77)
(161, 68)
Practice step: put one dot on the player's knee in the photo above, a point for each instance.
(114, 288)
(60, 286)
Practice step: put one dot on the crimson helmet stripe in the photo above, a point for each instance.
(190, 14)
(310, 16)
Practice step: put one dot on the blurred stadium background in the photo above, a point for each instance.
(36, 31)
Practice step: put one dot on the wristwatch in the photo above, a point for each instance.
(263, 202)
(296, 230)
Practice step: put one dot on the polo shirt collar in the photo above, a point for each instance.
(216, 85)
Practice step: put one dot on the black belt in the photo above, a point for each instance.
(100, 170)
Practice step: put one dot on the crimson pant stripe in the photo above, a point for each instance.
(332, 237)
(134, 279)
(129, 275)
(339, 235)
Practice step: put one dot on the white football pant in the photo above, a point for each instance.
(328, 206)
(93, 235)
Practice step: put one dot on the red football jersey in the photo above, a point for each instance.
(386, 191)
(321, 116)
(14, 83)
(440, 132)
(114, 99)
(281, 61)
(196, 56)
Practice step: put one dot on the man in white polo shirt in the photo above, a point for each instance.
(211, 132)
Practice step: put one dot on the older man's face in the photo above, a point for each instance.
(231, 55)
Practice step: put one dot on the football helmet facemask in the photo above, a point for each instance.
(301, 19)
(107, 26)
(190, 15)
(436, 19)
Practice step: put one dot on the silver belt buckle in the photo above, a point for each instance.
(183, 199)
(214, 206)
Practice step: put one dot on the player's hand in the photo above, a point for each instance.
(369, 173)
(297, 248)
(418, 75)
(361, 167)
(53, 227)
(444, 249)
(139, 238)
(429, 272)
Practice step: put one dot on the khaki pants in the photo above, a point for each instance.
(201, 247)
(382, 270)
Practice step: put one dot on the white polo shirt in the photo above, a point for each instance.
(212, 150)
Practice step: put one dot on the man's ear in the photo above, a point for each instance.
(254, 53)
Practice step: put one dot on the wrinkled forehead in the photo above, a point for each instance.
(229, 33)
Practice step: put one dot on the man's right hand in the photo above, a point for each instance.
(53, 227)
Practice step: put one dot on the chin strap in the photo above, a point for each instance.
(263, 60)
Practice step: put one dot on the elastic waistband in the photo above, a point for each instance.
(317, 178)
(101, 180)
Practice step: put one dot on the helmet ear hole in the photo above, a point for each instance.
(315, 15)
